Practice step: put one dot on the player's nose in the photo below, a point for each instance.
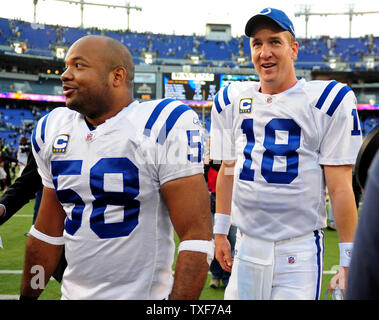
(265, 51)
(66, 75)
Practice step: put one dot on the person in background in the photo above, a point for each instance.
(23, 151)
(21, 191)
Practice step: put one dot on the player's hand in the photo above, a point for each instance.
(223, 252)
(2, 210)
(339, 279)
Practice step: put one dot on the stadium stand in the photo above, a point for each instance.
(43, 39)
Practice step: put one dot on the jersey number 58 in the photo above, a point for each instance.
(126, 198)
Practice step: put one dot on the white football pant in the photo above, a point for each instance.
(282, 270)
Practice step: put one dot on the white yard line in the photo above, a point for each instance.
(15, 272)
(9, 296)
(10, 271)
(23, 215)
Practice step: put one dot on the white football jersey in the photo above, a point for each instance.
(280, 143)
(118, 233)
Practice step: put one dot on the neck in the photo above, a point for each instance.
(111, 112)
(273, 88)
(280, 83)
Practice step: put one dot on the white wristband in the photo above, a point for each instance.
(346, 252)
(58, 241)
(199, 246)
(221, 224)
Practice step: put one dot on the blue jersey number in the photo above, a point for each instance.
(287, 150)
(355, 131)
(192, 135)
(125, 199)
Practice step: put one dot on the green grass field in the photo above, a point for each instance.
(12, 259)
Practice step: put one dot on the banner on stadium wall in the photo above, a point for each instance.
(368, 107)
(32, 97)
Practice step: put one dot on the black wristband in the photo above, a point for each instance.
(26, 298)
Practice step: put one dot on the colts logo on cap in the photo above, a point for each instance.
(60, 144)
(245, 105)
(266, 12)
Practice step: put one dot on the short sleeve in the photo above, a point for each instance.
(342, 136)
(180, 145)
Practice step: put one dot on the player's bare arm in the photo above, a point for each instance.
(339, 182)
(41, 254)
(188, 202)
(224, 188)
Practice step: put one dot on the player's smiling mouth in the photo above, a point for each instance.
(268, 65)
(68, 90)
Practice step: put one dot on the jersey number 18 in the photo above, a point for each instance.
(273, 149)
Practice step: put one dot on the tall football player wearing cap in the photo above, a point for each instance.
(281, 140)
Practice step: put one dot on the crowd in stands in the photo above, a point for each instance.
(43, 39)
(18, 120)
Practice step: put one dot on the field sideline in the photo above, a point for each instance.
(12, 257)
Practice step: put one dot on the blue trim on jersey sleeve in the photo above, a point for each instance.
(34, 141)
(225, 95)
(170, 122)
(43, 128)
(325, 94)
(155, 114)
(337, 100)
(217, 104)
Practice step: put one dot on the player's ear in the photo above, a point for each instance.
(119, 75)
(295, 49)
(294, 46)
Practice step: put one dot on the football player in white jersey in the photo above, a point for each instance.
(118, 177)
(280, 140)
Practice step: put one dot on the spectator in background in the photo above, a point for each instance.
(22, 153)
(3, 175)
(21, 191)
(6, 159)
